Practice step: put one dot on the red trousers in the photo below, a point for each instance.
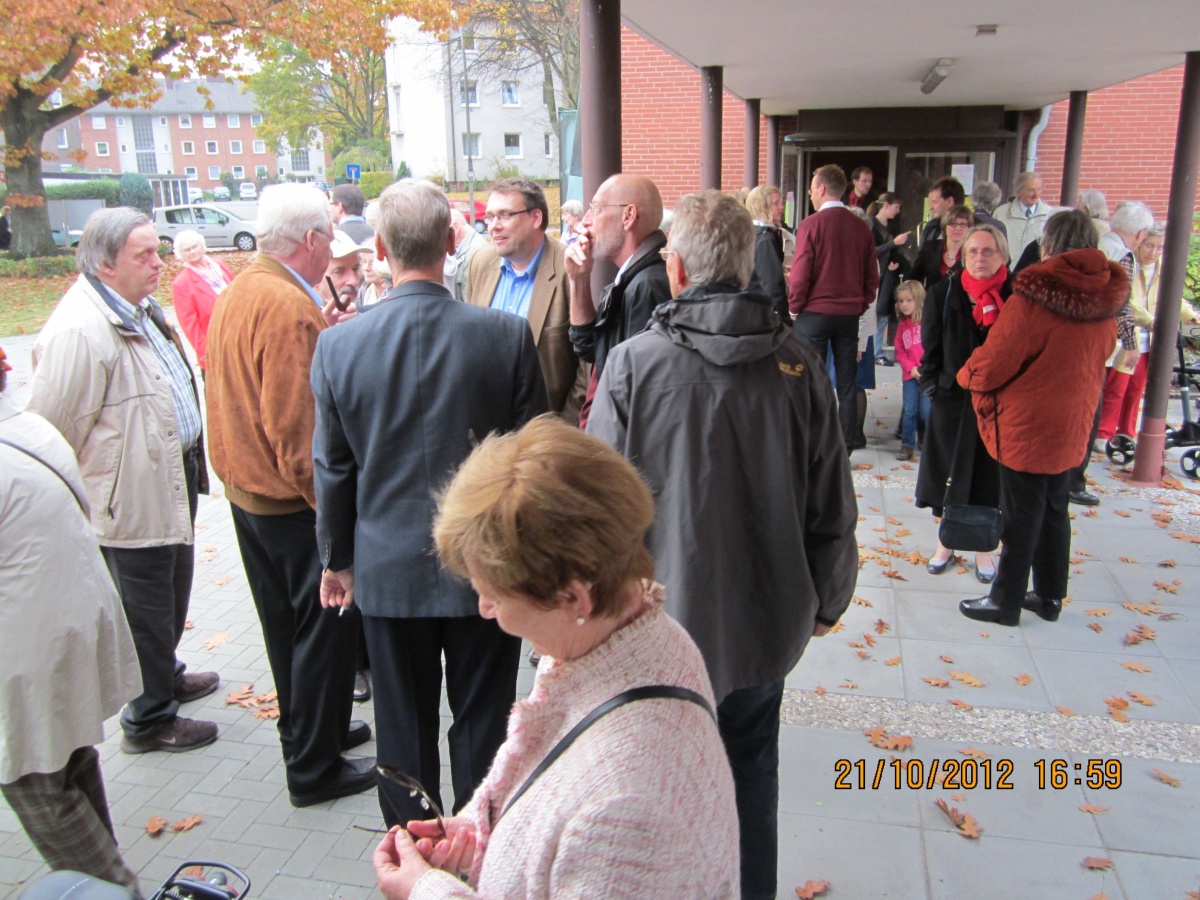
(1122, 398)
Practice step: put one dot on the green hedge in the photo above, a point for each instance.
(38, 267)
(105, 189)
(373, 183)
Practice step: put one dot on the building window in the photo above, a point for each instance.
(260, 171)
(255, 119)
(102, 148)
(214, 173)
(98, 123)
(470, 143)
(210, 147)
(190, 172)
(235, 147)
(512, 146)
(185, 121)
(239, 172)
(63, 143)
(233, 120)
(300, 160)
(260, 146)
(510, 93)
(468, 93)
(104, 171)
(120, 121)
(282, 171)
(210, 121)
(189, 148)
(124, 148)
(162, 120)
(468, 40)
(549, 144)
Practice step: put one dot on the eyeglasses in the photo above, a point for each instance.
(327, 235)
(984, 252)
(414, 789)
(596, 207)
(664, 253)
(502, 216)
(959, 225)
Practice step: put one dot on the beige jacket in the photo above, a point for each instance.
(69, 660)
(98, 381)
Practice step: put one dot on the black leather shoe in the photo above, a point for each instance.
(1083, 498)
(985, 576)
(362, 687)
(1047, 609)
(933, 567)
(883, 361)
(357, 775)
(359, 734)
(982, 609)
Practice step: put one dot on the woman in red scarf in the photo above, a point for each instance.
(194, 290)
(959, 312)
(1057, 330)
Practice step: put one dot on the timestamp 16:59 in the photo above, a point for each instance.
(1057, 774)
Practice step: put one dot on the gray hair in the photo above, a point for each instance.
(1068, 229)
(1158, 229)
(371, 213)
(104, 234)
(188, 238)
(414, 222)
(1025, 179)
(1000, 239)
(286, 213)
(1094, 203)
(986, 196)
(573, 207)
(1131, 218)
(714, 237)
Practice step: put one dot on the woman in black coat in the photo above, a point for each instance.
(941, 257)
(765, 205)
(893, 265)
(950, 332)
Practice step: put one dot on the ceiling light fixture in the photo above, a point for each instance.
(937, 75)
(986, 30)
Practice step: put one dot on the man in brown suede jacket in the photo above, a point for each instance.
(260, 411)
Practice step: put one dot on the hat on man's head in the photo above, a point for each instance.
(342, 245)
(4, 366)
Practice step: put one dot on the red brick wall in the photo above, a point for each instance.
(660, 100)
(1128, 141)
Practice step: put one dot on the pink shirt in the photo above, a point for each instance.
(908, 346)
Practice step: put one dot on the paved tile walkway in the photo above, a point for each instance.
(870, 839)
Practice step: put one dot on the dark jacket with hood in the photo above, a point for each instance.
(732, 422)
(768, 278)
(1040, 371)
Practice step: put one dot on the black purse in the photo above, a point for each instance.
(965, 527)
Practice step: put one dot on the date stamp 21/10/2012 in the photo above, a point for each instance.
(969, 774)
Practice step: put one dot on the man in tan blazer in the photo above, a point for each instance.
(522, 272)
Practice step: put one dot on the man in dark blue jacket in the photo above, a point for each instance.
(443, 375)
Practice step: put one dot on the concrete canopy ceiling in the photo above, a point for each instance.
(817, 54)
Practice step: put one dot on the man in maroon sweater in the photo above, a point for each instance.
(833, 282)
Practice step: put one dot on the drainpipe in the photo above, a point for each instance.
(1031, 156)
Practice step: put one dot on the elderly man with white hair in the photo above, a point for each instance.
(260, 411)
(1025, 217)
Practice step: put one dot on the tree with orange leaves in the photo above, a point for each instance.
(58, 60)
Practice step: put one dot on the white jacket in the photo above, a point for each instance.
(1022, 231)
(99, 382)
(69, 662)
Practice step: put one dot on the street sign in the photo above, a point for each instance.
(353, 172)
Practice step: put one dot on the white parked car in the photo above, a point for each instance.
(195, 195)
(220, 227)
(247, 191)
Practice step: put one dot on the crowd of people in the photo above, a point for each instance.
(436, 444)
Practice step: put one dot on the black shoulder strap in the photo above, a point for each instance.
(34, 456)
(647, 692)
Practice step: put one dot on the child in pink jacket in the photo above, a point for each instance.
(910, 298)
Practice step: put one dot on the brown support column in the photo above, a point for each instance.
(773, 150)
(750, 166)
(1077, 112)
(712, 92)
(1151, 444)
(599, 106)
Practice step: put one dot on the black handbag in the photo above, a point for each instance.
(965, 527)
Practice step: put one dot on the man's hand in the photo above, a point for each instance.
(337, 588)
(333, 315)
(579, 257)
(820, 630)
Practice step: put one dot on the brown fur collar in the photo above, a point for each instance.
(1080, 284)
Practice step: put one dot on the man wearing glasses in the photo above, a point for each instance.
(261, 417)
(622, 226)
(523, 273)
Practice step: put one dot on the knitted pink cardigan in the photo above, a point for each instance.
(641, 805)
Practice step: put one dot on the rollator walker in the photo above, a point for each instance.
(195, 880)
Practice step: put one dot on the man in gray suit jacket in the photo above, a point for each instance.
(443, 375)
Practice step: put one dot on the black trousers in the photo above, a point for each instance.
(406, 672)
(311, 650)
(155, 584)
(1078, 476)
(1036, 531)
(842, 332)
